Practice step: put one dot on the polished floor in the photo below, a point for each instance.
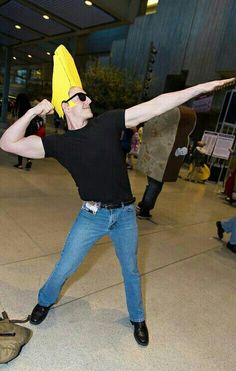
(188, 277)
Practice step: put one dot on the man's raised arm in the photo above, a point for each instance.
(14, 140)
(163, 103)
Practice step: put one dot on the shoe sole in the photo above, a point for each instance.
(142, 344)
(231, 249)
(144, 217)
(36, 323)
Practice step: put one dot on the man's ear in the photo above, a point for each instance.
(65, 106)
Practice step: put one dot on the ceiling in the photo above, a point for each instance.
(23, 26)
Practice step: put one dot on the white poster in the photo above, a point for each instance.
(210, 138)
(223, 144)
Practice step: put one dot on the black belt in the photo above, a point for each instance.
(117, 205)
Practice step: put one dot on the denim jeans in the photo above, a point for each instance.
(120, 224)
(229, 226)
(153, 189)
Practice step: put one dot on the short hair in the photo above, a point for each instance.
(73, 87)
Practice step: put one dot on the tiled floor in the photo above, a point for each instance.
(189, 278)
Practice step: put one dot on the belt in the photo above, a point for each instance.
(117, 205)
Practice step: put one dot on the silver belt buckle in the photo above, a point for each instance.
(92, 206)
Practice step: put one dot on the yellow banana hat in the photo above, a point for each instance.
(64, 76)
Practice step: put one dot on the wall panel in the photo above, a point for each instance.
(197, 36)
(210, 20)
(138, 45)
(117, 52)
(172, 29)
(226, 59)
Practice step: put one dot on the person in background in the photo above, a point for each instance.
(126, 137)
(228, 226)
(57, 121)
(22, 105)
(164, 146)
(198, 169)
(230, 184)
(135, 147)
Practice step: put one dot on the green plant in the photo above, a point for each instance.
(111, 88)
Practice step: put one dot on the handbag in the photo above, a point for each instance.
(12, 337)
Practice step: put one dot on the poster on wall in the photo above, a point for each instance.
(210, 138)
(223, 144)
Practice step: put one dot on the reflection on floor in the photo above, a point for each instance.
(189, 278)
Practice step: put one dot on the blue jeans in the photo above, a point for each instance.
(120, 224)
(229, 226)
(153, 189)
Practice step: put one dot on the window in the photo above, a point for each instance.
(35, 74)
(20, 76)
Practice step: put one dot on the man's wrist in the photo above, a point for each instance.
(30, 114)
(198, 89)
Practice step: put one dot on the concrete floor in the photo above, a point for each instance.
(189, 278)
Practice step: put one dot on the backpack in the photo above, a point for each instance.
(12, 337)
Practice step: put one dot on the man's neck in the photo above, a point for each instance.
(76, 125)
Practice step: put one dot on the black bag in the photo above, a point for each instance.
(12, 337)
(33, 126)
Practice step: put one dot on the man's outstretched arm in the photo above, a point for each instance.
(14, 140)
(163, 103)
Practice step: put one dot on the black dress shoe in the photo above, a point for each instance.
(231, 247)
(39, 314)
(143, 214)
(18, 166)
(230, 200)
(28, 165)
(141, 333)
(220, 230)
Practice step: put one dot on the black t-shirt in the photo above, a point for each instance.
(94, 157)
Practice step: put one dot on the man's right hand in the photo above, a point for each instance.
(43, 108)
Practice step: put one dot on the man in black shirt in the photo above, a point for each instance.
(92, 153)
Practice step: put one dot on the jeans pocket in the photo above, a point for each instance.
(130, 208)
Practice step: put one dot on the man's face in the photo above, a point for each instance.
(82, 107)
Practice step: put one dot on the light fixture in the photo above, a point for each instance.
(14, 58)
(152, 6)
(152, 2)
(17, 26)
(48, 53)
(89, 3)
(45, 16)
(29, 55)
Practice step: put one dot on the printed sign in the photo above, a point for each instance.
(223, 144)
(210, 138)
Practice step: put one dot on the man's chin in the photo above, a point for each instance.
(90, 115)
